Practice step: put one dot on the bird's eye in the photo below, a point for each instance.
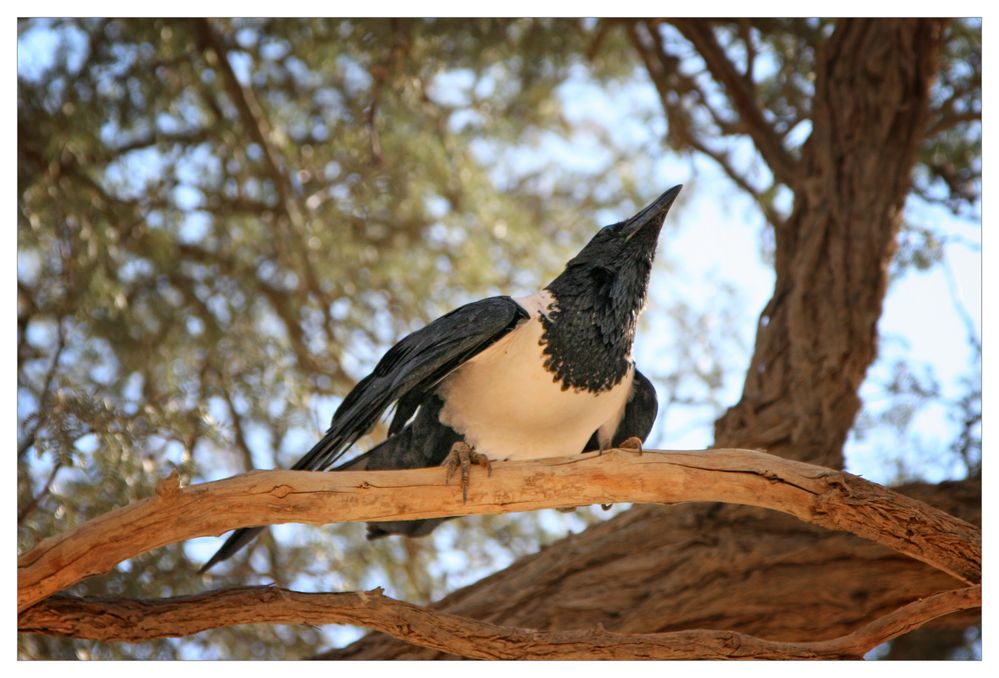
(602, 274)
(613, 229)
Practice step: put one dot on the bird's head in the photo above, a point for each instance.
(590, 326)
(612, 271)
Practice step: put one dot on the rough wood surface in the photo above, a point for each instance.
(704, 566)
(828, 498)
(138, 620)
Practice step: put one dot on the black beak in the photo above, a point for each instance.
(651, 216)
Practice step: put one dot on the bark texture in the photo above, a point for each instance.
(655, 568)
(703, 567)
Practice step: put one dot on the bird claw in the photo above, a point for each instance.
(633, 443)
(462, 455)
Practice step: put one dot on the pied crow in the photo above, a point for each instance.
(545, 375)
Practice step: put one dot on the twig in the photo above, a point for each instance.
(722, 159)
(947, 122)
(251, 114)
(746, 33)
(655, 60)
(36, 500)
(43, 400)
(237, 426)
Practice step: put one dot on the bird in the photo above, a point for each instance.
(545, 375)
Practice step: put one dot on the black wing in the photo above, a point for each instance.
(404, 375)
(639, 414)
(410, 369)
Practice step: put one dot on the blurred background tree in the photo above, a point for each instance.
(222, 224)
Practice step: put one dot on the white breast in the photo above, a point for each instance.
(508, 406)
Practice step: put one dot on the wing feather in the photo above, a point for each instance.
(409, 370)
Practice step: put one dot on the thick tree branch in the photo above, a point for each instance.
(138, 620)
(704, 566)
(832, 499)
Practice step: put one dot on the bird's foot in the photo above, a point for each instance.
(462, 455)
(633, 443)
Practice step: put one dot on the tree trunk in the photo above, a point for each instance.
(725, 567)
(818, 334)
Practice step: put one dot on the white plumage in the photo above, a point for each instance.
(508, 406)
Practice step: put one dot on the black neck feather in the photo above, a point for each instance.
(589, 332)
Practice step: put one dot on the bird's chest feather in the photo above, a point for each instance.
(509, 406)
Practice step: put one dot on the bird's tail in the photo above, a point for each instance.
(234, 543)
(245, 535)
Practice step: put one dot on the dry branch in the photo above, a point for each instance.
(139, 620)
(832, 499)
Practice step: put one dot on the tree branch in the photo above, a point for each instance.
(723, 161)
(255, 120)
(37, 499)
(250, 112)
(670, 82)
(155, 137)
(123, 620)
(43, 399)
(947, 122)
(743, 99)
(704, 566)
(832, 499)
